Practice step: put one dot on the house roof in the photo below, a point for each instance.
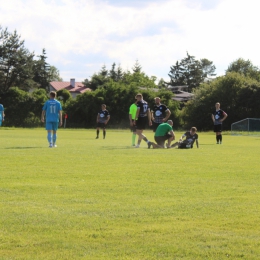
(79, 87)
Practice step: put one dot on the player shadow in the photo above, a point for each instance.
(116, 147)
(23, 147)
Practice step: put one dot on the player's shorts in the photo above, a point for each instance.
(141, 123)
(160, 140)
(155, 125)
(101, 125)
(52, 126)
(218, 128)
(133, 127)
(185, 145)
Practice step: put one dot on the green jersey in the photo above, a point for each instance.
(132, 110)
(163, 129)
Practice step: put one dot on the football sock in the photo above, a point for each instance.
(145, 139)
(104, 134)
(49, 137)
(133, 139)
(54, 138)
(220, 138)
(217, 138)
(97, 133)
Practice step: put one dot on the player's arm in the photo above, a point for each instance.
(172, 134)
(197, 143)
(43, 116)
(168, 113)
(149, 116)
(152, 116)
(224, 117)
(60, 116)
(97, 117)
(213, 118)
(182, 137)
(108, 117)
(137, 114)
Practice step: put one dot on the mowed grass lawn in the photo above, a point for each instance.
(103, 199)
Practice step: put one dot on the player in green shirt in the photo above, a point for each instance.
(163, 132)
(132, 114)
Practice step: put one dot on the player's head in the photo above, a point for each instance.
(53, 94)
(193, 130)
(139, 97)
(103, 106)
(170, 122)
(157, 100)
(217, 105)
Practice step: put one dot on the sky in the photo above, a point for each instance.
(81, 36)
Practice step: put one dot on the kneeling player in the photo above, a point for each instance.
(191, 137)
(163, 133)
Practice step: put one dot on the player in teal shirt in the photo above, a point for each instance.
(52, 113)
(1, 114)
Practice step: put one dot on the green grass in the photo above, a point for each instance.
(103, 199)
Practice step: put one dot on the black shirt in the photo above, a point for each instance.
(143, 107)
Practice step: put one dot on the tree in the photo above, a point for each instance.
(244, 67)
(54, 74)
(137, 67)
(16, 62)
(191, 72)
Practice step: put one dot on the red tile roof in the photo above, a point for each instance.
(79, 87)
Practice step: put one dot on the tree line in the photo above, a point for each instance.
(24, 84)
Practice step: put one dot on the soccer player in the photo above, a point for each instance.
(159, 114)
(103, 117)
(132, 114)
(218, 117)
(191, 137)
(163, 132)
(142, 113)
(52, 114)
(2, 115)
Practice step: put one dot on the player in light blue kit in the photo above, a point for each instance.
(2, 115)
(52, 111)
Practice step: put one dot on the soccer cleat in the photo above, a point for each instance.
(55, 145)
(50, 145)
(97, 137)
(137, 146)
(149, 145)
(217, 142)
(133, 144)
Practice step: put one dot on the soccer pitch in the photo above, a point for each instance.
(103, 199)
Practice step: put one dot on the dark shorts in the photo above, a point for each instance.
(133, 128)
(141, 123)
(155, 125)
(218, 128)
(101, 125)
(160, 140)
(185, 145)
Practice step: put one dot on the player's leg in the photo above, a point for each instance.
(159, 142)
(98, 125)
(54, 136)
(169, 140)
(133, 129)
(104, 131)
(48, 127)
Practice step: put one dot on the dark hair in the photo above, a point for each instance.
(53, 94)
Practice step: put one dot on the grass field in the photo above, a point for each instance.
(103, 199)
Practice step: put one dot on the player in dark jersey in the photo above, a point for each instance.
(142, 114)
(191, 137)
(159, 114)
(218, 117)
(103, 117)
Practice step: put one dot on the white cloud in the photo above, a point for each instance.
(82, 32)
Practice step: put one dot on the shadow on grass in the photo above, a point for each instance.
(117, 147)
(23, 147)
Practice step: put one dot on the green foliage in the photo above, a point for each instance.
(238, 95)
(16, 62)
(22, 108)
(63, 95)
(191, 72)
(244, 67)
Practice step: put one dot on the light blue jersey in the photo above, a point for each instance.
(52, 107)
(1, 112)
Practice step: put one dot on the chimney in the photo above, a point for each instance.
(72, 82)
